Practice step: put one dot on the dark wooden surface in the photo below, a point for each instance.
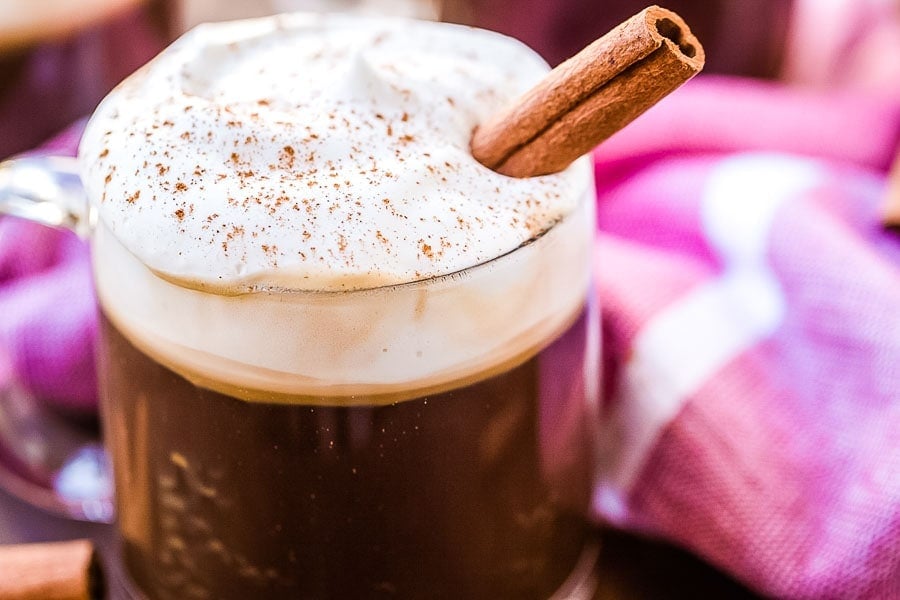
(629, 568)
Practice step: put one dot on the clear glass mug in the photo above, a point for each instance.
(474, 481)
(477, 486)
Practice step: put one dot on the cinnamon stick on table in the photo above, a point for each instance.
(592, 95)
(50, 571)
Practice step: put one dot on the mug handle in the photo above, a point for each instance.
(46, 190)
(45, 459)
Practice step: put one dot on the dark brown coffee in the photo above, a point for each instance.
(478, 492)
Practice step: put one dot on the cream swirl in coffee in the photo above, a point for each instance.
(313, 152)
(269, 192)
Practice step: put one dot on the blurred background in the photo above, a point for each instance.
(59, 57)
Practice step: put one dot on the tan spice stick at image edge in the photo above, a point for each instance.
(592, 95)
(50, 571)
(890, 207)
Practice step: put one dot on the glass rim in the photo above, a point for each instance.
(256, 289)
(241, 289)
(251, 290)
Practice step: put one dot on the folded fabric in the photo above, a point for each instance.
(752, 352)
(751, 343)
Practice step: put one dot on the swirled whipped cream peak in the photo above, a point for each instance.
(317, 152)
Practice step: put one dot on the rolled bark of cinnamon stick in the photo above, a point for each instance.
(50, 571)
(592, 95)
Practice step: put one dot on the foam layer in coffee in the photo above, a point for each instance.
(269, 192)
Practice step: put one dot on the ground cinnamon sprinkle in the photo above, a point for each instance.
(390, 181)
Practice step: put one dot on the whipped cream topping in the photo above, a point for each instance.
(289, 212)
(316, 152)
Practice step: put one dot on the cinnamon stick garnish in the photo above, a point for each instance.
(50, 571)
(890, 206)
(592, 95)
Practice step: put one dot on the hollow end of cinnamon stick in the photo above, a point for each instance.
(51, 571)
(589, 97)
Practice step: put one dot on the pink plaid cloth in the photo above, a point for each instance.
(752, 336)
(752, 341)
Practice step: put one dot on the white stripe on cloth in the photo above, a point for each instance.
(686, 344)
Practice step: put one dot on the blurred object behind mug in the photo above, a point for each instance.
(58, 58)
(845, 44)
(741, 37)
(198, 11)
